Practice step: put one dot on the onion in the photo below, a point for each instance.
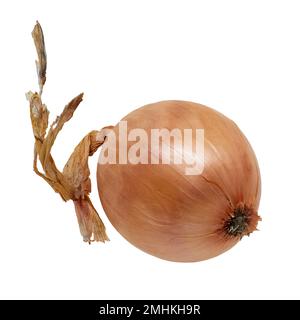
(156, 207)
(180, 217)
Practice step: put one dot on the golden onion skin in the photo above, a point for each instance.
(178, 217)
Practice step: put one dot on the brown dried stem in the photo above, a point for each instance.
(74, 182)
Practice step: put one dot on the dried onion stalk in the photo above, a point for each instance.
(73, 182)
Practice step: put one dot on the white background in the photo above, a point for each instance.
(240, 57)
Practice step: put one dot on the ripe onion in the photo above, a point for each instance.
(180, 217)
(158, 208)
